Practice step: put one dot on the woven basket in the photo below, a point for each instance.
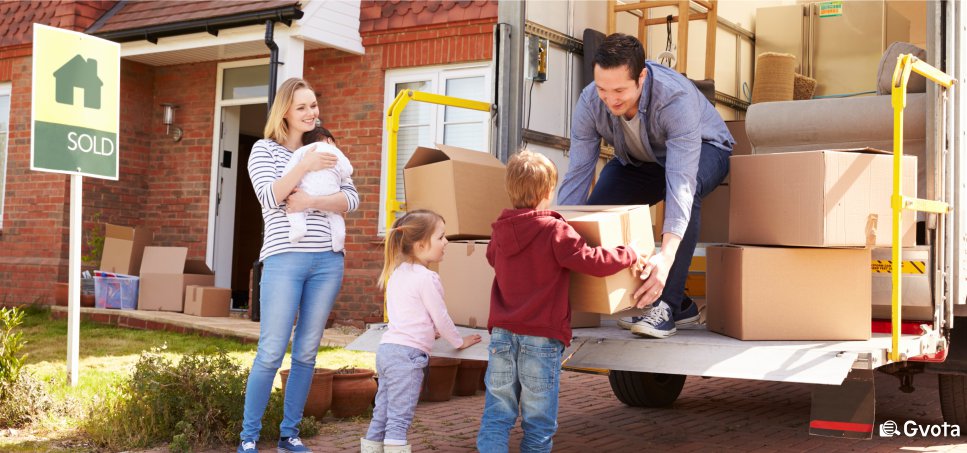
(803, 88)
(775, 74)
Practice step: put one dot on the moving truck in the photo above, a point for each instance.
(540, 66)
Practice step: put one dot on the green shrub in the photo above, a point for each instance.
(193, 404)
(24, 401)
(11, 342)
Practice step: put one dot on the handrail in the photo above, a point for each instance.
(901, 76)
(393, 205)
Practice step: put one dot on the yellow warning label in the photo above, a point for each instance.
(909, 267)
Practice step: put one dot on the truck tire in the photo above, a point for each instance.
(638, 389)
(953, 398)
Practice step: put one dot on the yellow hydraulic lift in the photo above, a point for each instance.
(901, 75)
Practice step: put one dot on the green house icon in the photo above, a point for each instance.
(82, 73)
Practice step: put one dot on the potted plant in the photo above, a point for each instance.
(319, 399)
(469, 374)
(439, 380)
(353, 390)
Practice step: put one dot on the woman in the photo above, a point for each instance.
(302, 278)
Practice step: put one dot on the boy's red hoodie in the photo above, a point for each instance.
(533, 253)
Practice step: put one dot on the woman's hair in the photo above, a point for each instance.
(530, 177)
(276, 127)
(412, 228)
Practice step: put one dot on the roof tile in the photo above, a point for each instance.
(384, 15)
(142, 14)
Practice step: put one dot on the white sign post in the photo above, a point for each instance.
(75, 105)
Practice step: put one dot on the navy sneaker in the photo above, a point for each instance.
(657, 323)
(687, 317)
(247, 446)
(292, 445)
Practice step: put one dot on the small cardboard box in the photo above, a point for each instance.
(917, 300)
(165, 272)
(208, 301)
(715, 216)
(777, 293)
(695, 280)
(466, 187)
(832, 198)
(123, 248)
(467, 280)
(608, 226)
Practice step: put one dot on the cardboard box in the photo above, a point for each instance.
(715, 216)
(608, 226)
(742, 147)
(208, 301)
(467, 280)
(832, 198)
(116, 291)
(916, 297)
(124, 248)
(466, 187)
(165, 272)
(695, 280)
(776, 293)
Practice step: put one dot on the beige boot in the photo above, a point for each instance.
(370, 446)
(396, 448)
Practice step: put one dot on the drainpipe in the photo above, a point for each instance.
(273, 59)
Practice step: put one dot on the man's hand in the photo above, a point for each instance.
(469, 341)
(654, 275)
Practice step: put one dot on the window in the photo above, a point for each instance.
(423, 124)
(4, 127)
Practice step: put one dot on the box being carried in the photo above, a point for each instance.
(124, 248)
(207, 301)
(832, 198)
(117, 291)
(165, 272)
(608, 226)
(466, 187)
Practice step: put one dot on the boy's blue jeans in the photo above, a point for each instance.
(645, 184)
(523, 377)
(292, 283)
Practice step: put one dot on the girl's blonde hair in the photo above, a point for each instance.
(412, 228)
(276, 127)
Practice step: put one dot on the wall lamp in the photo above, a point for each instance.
(169, 119)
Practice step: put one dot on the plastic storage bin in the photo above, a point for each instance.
(115, 291)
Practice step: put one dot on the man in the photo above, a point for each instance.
(670, 144)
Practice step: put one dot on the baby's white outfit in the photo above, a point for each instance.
(320, 182)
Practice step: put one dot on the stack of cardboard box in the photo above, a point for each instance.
(801, 228)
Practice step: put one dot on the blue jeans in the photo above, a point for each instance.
(645, 184)
(293, 283)
(401, 370)
(523, 377)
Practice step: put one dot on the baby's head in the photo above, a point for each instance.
(531, 178)
(319, 134)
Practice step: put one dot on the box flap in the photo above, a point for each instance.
(197, 267)
(118, 231)
(164, 260)
(471, 156)
(423, 156)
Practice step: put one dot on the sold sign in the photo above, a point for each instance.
(75, 102)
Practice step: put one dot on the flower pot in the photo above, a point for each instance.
(62, 296)
(439, 380)
(468, 377)
(483, 377)
(319, 399)
(352, 392)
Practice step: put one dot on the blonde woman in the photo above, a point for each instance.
(301, 278)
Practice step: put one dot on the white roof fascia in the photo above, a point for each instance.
(251, 33)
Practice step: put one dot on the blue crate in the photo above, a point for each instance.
(115, 291)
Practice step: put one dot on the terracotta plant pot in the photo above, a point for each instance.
(438, 384)
(87, 300)
(468, 377)
(319, 399)
(62, 295)
(352, 392)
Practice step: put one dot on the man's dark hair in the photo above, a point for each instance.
(619, 50)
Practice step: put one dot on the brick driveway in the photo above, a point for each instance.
(711, 415)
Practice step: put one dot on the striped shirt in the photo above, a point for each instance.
(265, 166)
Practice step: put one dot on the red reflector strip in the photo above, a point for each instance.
(841, 426)
(906, 328)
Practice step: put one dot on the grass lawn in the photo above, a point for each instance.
(107, 358)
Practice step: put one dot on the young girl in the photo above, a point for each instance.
(414, 301)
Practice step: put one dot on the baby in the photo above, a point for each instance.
(320, 182)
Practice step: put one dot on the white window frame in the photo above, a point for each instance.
(5, 90)
(438, 77)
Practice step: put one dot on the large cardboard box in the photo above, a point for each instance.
(124, 248)
(165, 272)
(743, 146)
(466, 187)
(832, 198)
(208, 301)
(715, 216)
(778, 293)
(608, 226)
(467, 280)
(916, 297)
